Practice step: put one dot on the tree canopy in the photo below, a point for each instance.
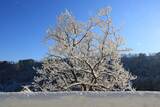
(84, 55)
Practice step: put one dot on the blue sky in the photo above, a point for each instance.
(23, 24)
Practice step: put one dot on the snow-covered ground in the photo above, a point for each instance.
(81, 99)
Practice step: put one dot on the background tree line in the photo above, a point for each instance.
(13, 75)
(146, 68)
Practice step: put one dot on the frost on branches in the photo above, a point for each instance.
(84, 56)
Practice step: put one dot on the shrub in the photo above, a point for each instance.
(84, 56)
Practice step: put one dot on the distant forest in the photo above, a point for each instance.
(13, 75)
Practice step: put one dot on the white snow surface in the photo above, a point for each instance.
(80, 99)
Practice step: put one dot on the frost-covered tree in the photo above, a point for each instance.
(84, 56)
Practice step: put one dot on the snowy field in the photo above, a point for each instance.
(81, 99)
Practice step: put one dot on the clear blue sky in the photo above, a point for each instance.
(23, 24)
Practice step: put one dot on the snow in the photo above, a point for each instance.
(80, 99)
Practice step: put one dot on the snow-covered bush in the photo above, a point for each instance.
(84, 56)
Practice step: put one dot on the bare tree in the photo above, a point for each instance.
(84, 56)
